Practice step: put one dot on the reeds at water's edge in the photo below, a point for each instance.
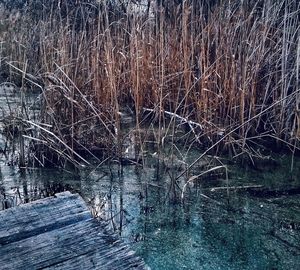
(228, 69)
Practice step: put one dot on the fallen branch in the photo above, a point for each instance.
(235, 187)
(191, 179)
(174, 115)
(192, 125)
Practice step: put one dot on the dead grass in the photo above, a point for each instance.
(224, 66)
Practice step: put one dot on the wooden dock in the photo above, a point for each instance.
(60, 233)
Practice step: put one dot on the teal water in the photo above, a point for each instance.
(204, 232)
(208, 230)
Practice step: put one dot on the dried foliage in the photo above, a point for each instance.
(227, 65)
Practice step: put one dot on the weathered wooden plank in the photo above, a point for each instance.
(84, 243)
(60, 233)
(40, 216)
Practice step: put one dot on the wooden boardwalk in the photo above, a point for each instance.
(60, 233)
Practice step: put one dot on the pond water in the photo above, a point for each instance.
(201, 233)
(210, 229)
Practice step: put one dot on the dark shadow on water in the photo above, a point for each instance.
(203, 233)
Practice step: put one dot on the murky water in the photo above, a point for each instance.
(209, 230)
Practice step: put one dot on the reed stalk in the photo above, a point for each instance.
(224, 65)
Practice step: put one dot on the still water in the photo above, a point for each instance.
(204, 232)
(210, 229)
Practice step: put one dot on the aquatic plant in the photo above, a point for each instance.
(226, 71)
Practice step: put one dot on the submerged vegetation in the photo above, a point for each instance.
(219, 75)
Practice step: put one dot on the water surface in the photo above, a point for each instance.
(208, 230)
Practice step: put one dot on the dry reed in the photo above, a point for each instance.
(230, 67)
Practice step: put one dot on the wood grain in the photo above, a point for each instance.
(60, 233)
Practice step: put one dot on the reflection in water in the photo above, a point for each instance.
(202, 233)
(19, 186)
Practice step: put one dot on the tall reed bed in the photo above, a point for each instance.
(230, 67)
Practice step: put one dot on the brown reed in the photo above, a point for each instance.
(222, 65)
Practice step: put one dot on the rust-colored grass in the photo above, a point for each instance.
(223, 65)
